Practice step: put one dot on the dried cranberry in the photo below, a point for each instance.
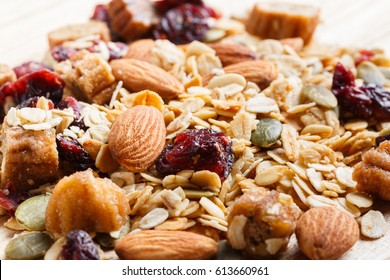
(32, 103)
(365, 55)
(10, 198)
(381, 139)
(40, 83)
(101, 14)
(72, 153)
(183, 24)
(61, 53)
(79, 246)
(70, 102)
(29, 67)
(364, 101)
(202, 149)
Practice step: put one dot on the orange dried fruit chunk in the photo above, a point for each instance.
(82, 201)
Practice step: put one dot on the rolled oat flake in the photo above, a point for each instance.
(320, 95)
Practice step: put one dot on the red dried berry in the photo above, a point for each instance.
(70, 102)
(79, 246)
(202, 149)
(100, 13)
(73, 154)
(183, 24)
(10, 198)
(29, 67)
(365, 55)
(365, 101)
(60, 53)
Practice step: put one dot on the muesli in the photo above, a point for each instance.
(160, 128)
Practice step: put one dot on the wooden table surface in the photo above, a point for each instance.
(363, 23)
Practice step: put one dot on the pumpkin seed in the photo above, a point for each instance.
(107, 241)
(28, 246)
(267, 132)
(31, 212)
(194, 194)
(320, 95)
(370, 73)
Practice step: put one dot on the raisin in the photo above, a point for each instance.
(32, 103)
(365, 101)
(70, 151)
(70, 102)
(79, 246)
(202, 149)
(29, 67)
(183, 24)
(381, 139)
(61, 53)
(116, 50)
(10, 198)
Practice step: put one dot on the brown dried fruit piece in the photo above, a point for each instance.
(232, 53)
(140, 49)
(165, 245)
(85, 202)
(88, 76)
(259, 72)
(139, 75)
(325, 233)
(283, 20)
(137, 137)
(373, 173)
(30, 158)
(261, 222)
(6, 74)
(75, 31)
(132, 19)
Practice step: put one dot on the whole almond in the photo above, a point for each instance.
(259, 72)
(137, 137)
(165, 245)
(140, 75)
(232, 53)
(325, 233)
(140, 49)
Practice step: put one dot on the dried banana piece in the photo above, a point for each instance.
(283, 20)
(88, 76)
(30, 158)
(132, 19)
(261, 222)
(373, 173)
(75, 31)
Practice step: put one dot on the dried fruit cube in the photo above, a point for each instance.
(82, 201)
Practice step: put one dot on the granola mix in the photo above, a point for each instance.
(282, 139)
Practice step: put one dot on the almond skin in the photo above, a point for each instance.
(325, 233)
(165, 245)
(140, 75)
(137, 137)
(259, 72)
(140, 49)
(232, 53)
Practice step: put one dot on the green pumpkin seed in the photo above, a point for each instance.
(194, 194)
(28, 246)
(320, 95)
(31, 212)
(267, 132)
(370, 73)
(107, 241)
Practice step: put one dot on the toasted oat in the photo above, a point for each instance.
(211, 208)
(235, 233)
(373, 224)
(360, 200)
(344, 176)
(154, 218)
